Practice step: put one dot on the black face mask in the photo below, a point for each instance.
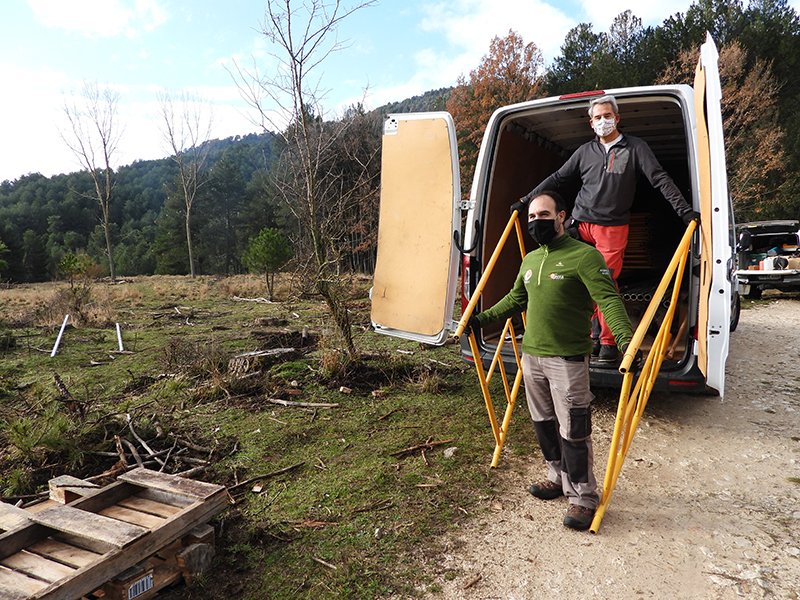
(542, 230)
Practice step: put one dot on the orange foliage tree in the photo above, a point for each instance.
(754, 142)
(511, 72)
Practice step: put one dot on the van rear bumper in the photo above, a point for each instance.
(686, 378)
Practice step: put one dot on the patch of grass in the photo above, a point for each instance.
(358, 502)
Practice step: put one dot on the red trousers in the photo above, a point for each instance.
(610, 242)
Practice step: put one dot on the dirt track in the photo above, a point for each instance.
(707, 506)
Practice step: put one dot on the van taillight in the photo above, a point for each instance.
(465, 290)
(582, 94)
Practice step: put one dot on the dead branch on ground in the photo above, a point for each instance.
(424, 446)
(264, 476)
(291, 404)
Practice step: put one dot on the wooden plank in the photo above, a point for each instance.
(127, 515)
(87, 543)
(17, 584)
(105, 497)
(165, 498)
(169, 483)
(149, 506)
(40, 506)
(202, 534)
(65, 553)
(6, 593)
(91, 578)
(15, 540)
(12, 517)
(37, 566)
(66, 488)
(170, 551)
(89, 525)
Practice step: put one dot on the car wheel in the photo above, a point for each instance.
(754, 293)
(736, 309)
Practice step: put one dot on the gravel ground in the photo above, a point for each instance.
(707, 505)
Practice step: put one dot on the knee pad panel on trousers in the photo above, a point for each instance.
(576, 460)
(549, 440)
(580, 423)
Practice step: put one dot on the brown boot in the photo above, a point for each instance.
(579, 517)
(546, 490)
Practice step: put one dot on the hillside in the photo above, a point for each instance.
(42, 218)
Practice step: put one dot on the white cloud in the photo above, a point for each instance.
(100, 18)
(151, 14)
(380, 96)
(141, 115)
(32, 119)
(217, 94)
(465, 29)
(470, 25)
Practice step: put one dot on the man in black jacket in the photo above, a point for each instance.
(608, 167)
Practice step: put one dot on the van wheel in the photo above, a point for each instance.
(736, 309)
(754, 293)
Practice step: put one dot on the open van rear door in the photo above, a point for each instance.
(716, 266)
(416, 269)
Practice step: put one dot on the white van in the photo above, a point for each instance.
(420, 249)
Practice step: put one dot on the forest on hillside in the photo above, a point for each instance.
(242, 186)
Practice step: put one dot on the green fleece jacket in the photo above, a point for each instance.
(557, 286)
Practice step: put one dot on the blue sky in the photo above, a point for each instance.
(397, 49)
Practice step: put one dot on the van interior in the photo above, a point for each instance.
(535, 142)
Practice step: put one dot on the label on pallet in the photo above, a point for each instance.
(140, 587)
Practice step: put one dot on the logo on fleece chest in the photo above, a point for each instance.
(554, 272)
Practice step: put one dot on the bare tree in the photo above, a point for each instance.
(186, 124)
(309, 179)
(93, 137)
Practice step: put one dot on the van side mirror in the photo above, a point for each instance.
(744, 242)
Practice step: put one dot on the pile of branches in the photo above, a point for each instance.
(134, 451)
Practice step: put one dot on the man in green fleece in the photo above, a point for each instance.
(558, 284)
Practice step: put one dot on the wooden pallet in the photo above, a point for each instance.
(66, 551)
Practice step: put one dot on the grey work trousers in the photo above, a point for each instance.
(559, 398)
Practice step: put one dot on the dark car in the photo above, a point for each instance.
(769, 257)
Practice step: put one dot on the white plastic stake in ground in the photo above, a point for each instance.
(58, 339)
(119, 339)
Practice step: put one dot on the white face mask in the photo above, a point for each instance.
(603, 127)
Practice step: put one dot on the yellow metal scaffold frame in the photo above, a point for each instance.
(632, 399)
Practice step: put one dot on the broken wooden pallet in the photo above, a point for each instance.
(64, 552)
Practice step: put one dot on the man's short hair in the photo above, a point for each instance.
(560, 204)
(607, 99)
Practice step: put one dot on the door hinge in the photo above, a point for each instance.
(390, 125)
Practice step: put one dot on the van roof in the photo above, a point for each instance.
(564, 122)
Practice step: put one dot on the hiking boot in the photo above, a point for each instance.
(579, 517)
(606, 356)
(546, 490)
